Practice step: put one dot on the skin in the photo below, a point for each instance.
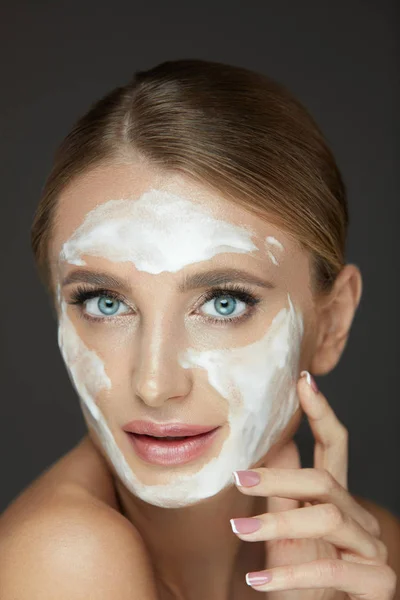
(156, 376)
(189, 562)
(253, 376)
(334, 551)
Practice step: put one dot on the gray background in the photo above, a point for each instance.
(339, 58)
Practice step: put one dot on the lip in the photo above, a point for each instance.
(166, 429)
(171, 452)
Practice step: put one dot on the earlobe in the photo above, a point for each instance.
(335, 314)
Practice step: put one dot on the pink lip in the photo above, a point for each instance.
(165, 429)
(171, 452)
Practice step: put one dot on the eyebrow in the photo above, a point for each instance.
(210, 278)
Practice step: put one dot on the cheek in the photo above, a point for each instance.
(310, 339)
(243, 375)
(85, 368)
(258, 381)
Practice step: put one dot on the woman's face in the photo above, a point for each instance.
(161, 351)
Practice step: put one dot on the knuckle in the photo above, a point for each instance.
(333, 515)
(384, 585)
(291, 574)
(331, 571)
(343, 433)
(280, 524)
(374, 526)
(326, 481)
(389, 581)
(383, 551)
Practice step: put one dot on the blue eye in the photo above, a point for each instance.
(107, 305)
(225, 301)
(225, 304)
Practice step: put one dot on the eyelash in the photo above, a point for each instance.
(237, 291)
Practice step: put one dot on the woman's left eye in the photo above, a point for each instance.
(225, 302)
(222, 300)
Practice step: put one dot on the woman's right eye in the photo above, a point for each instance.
(97, 305)
(106, 306)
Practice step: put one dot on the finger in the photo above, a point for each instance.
(288, 457)
(331, 436)
(323, 521)
(308, 485)
(367, 582)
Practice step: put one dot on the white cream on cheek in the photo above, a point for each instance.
(163, 232)
(88, 376)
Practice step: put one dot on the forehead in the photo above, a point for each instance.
(120, 187)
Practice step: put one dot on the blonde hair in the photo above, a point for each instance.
(237, 131)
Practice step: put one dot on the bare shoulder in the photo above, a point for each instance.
(69, 543)
(390, 530)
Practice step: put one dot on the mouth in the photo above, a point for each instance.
(171, 450)
(162, 430)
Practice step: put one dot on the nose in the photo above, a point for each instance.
(158, 376)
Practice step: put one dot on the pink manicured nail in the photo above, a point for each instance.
(310, 381)
(245, 525)
(258, 578)
(246, 478)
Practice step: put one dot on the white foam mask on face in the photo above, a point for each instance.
(271, 241)
(160, 232)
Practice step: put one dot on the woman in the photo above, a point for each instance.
(192, 236)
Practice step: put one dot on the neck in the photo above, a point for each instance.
(194, 552)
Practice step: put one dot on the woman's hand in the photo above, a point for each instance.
(318, 538)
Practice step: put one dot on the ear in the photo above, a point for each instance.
(335, 313)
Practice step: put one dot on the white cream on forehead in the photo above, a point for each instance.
(158, 232)
(258, 381)
(273, 242)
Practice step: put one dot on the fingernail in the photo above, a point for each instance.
(310, 380)
(245, 525)
(258, 578)
(246, 478)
